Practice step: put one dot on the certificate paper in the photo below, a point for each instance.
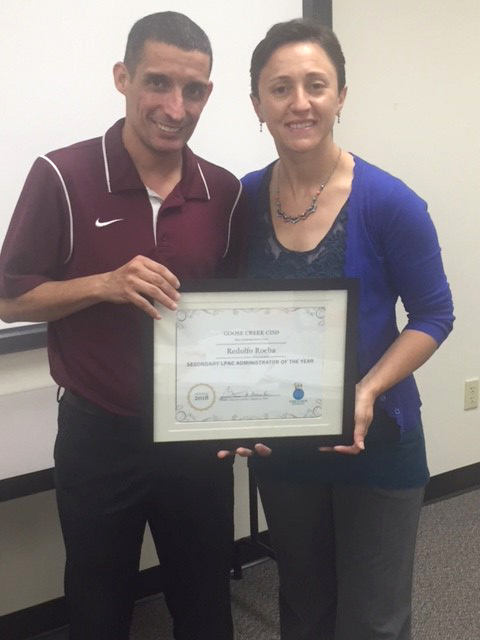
(252, 365)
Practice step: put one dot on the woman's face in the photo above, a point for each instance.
(298, 96)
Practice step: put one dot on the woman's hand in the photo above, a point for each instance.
(259, 449)
(408, 352)
(364, 401)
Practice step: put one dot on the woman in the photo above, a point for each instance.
(343, 523)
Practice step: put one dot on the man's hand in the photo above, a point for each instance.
(259, 449)
(139, 279)
(134, 282)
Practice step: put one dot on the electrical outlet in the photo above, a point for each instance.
(470, 400)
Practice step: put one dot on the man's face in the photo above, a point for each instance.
(165, 96)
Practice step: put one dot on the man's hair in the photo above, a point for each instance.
(299, 30)
(169, 27)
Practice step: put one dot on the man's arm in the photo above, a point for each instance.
(134, 282)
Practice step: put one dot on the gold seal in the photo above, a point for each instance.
(201, 397)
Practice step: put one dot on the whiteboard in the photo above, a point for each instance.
(56, 83)
(56, 87)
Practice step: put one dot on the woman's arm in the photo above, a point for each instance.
(407, 239)
(406, 354)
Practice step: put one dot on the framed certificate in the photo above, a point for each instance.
(247, 361)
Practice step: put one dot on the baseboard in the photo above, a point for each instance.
(41, 618)
(452, 483)
(44, 617)
(26, 484)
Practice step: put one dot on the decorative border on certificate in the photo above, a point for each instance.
(244, 361)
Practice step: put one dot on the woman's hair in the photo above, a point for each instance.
(169, 27)
(299, 30)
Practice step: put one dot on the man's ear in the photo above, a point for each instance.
(120, 76)
(209, 91)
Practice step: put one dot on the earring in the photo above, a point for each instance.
(261, 126)
(338, 117)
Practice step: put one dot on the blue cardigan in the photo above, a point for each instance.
(392, 248)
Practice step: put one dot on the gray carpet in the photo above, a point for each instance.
(447, 572)
(446, 589)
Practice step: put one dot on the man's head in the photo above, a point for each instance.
(165, 81)
(169, 27)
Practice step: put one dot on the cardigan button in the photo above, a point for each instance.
(397, 412)
(383, 398)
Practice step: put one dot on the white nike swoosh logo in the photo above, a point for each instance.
(107, 222)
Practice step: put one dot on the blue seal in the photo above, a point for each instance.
(298, 393)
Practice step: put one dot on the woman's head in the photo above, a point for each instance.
(298, 85)
(299, 30)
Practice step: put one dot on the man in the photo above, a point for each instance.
(101, 228)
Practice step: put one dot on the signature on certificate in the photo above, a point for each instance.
(231, 394)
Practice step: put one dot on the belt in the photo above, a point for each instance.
(85, 405)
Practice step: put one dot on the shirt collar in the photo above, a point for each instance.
(121, 174)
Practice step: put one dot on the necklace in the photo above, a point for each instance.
(313, 206)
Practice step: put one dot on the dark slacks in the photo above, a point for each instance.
(345, 559)
(110, 482)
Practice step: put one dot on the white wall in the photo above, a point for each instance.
(412, 108)
(56, 88)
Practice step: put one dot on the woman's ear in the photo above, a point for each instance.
(257, 107)
(342, 97)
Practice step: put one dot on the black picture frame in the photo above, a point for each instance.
(250, 286)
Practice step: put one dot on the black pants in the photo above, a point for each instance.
(110, 482)
(345, 558)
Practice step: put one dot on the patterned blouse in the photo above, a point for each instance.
(390, 460)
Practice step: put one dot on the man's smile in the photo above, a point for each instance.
(167, 128)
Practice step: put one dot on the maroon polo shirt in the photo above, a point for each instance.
(58, 232)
